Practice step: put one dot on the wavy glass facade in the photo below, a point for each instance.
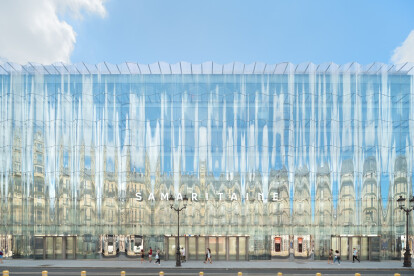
(282, 158)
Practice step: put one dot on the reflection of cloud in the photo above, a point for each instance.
(32, 30)
(405, 52)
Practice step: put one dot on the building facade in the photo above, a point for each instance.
(277, 160)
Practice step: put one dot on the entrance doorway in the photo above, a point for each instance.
(55, 247)
(367, 246)
(224, 248)
(280, 246)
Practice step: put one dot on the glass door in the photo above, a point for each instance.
(58, 248)
(344, 251)
(171, 248)
(201, 248)
(49, 248)
(70, 253)
(232, 248)
(242, 249)
(192, 249)
(364, 249)
(212, 244)
(38, 250)
(355, 244)
(222, 252)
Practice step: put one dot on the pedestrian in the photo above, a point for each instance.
(183, 254)
(337, 257)
(330, 257)
(206, 255)
(142, 255)
(209, 256)
(157, 258)
(355, 255)
(1, 255)
(150, 255)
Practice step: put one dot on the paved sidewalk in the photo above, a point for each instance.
(279, 264)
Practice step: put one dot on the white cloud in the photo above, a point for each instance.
(32, 30)
(405, 52)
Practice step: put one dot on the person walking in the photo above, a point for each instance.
(209, 256)
(157, 258)
(206, 255)
(330, 257)
(150, 255)
(355, 255)
(337, 257)
(1, 255)
(183, 254)
(142, 255)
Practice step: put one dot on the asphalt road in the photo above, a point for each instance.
(214, 272)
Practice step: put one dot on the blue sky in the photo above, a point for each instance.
(226, 31)
(115, 31)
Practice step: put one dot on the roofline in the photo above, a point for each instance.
(206, 68)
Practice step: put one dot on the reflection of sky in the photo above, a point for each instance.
(237, 124)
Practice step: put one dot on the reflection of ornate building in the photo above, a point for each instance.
(76, 148)
(41, 189)
(346, 209)
(279, 211)
(323, 202)
(370, 198)
(302, 198)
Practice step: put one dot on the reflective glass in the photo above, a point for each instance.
(291, 151)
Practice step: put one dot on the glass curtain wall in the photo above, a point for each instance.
(314, 154)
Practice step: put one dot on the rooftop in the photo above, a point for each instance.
(207, 68)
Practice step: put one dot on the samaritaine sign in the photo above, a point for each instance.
(197, 197)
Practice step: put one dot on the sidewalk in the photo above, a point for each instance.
(282, 264)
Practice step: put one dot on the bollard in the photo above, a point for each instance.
(5, 273)
(201, 273)
(396, 274)
(161, 273)
(83, 273)
(239, 274)
(279, 274)
(318, 274)
(44, 273)
(122, 273)
(357, 274)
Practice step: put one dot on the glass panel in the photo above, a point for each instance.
(242, 248)
(192, 253)
(378, 110)
(69, 247)
(38, 247)
(356, 245)
(171, 248)
(58, 248)
(222, 248)
(80, 250)
(212, 244)
(49, 248)
(182, 243)
(335, 244)
(232, 248)
(364, 248)
(344, 248)
(201, 248)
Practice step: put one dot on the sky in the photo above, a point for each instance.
(115, 31)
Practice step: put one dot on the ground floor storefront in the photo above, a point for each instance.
(223, 247)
